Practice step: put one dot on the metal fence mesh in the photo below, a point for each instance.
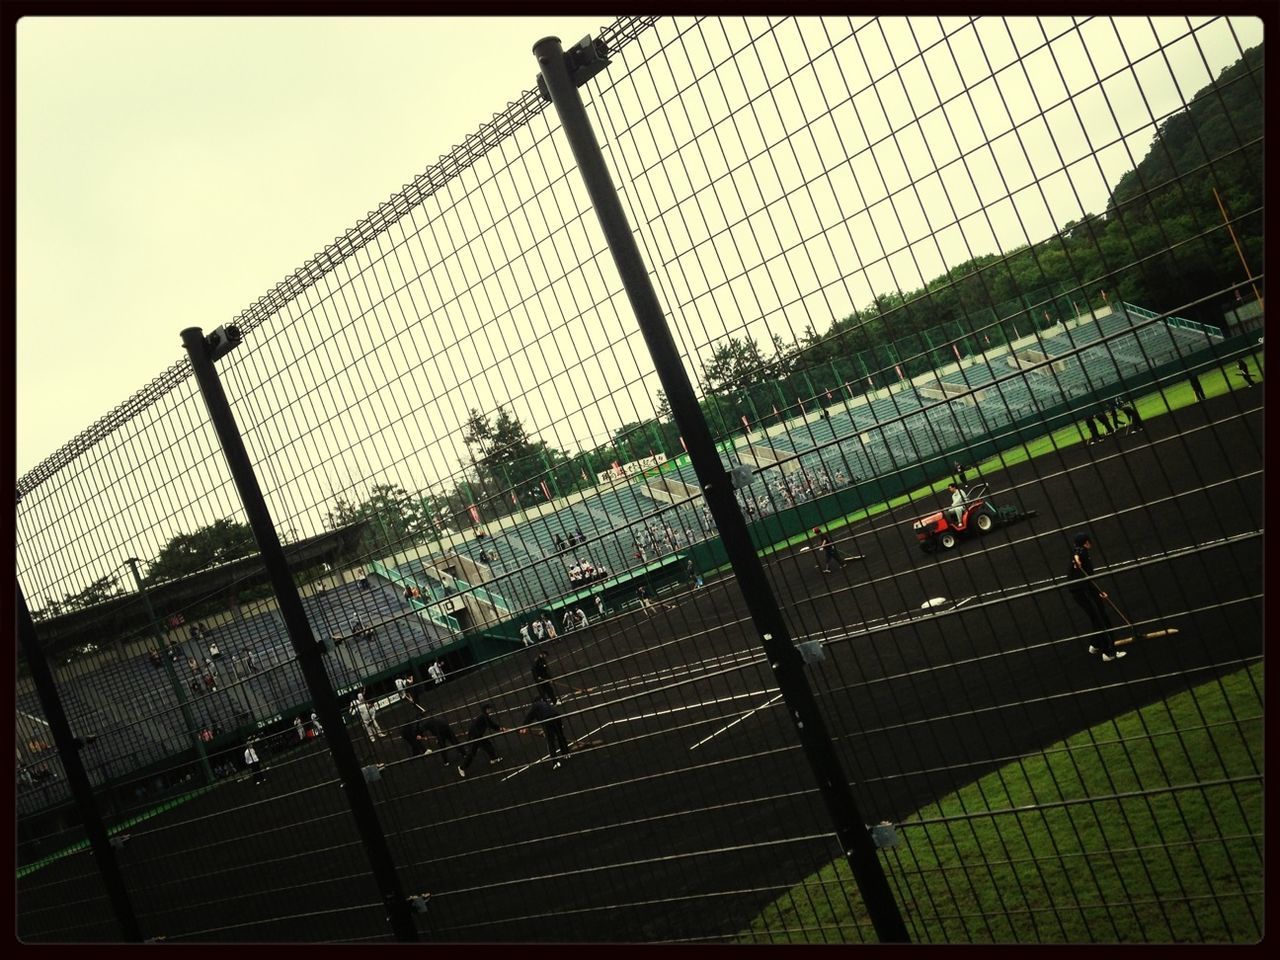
(895, 253)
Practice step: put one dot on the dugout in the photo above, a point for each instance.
(618, 592)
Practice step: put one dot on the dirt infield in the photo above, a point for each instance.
(688, 804)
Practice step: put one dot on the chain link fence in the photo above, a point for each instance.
(960, 301)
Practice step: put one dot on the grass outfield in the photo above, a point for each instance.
(1150, 406)
(1144, 829)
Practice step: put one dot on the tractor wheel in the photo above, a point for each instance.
(985, 522)
(948, 540)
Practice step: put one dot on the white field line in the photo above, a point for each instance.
(660, 676)
(651, 715)
(767, 703)
(1120, 567)
(544, 759)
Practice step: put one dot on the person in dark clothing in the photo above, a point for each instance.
(1086, 592)
(542, 677)
(830, 554)
(691, 571)
(1110, 419)
(545, 714)
(1118, 414)
(416, 734)
(1196, 388)
(1102, 426)
(477, 733)
(1131, 411)
(1093, 431)
(1243, 368)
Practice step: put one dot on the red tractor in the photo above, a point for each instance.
(941, 529)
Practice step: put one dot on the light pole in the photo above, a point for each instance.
(178, 690)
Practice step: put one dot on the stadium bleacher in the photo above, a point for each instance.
(140, 722)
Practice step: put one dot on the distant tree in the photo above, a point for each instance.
(662, 406)
(100, 591)
(860, 330)
(50, 610)
(477, 432)
(434, 510)
(393, 517)
(637, 440)
(219, 542)
(737, 364)
(506, 457)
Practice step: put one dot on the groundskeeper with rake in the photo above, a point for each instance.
(1086, 592)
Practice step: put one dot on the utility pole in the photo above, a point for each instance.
(179, 691)
(1239, 251)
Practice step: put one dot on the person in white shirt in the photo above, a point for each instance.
(368, 717)
(958, 499)
(253, 763)
(437, 672)
(402, 687)
(524, 635)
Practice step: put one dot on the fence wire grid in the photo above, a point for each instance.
(976, 305)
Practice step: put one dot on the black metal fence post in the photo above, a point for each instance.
(787, 663)
(81, 791)
(305, 647)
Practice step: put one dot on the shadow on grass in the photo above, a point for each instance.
(1144, 829)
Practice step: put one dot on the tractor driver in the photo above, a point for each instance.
(958, 499)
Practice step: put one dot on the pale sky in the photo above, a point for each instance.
(171, 171)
